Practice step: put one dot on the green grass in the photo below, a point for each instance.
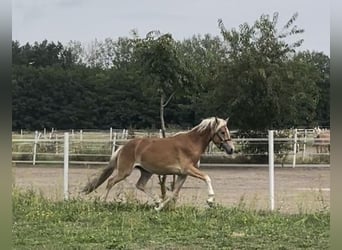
(39, 223)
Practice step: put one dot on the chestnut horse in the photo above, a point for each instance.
(175, 155)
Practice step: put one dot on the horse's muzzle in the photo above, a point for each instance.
(227, 148)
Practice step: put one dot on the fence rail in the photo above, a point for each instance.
(96, 147)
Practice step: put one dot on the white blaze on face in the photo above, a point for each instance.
(228, 132)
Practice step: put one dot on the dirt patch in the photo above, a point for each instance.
(296, 189)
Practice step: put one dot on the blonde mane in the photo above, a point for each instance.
(211, 123)
(206, 123)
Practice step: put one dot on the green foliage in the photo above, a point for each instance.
(252, 74)
(160, 60)
(319, 66)
(266, 84)
(41, 54)
(78, 224)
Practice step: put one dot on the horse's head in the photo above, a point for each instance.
(221, 136)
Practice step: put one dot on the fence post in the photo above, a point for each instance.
(114, 143)
(66, 165)
(110, 134)
(294, 148)
(271, 166)
(56, 140)
(35, 147)
(304, 143)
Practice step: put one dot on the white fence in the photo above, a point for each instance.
(298, 143)
(96, 147)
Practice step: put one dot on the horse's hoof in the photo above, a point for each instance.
(211, 204)
(158, 208)
(211, 201)
(158, 202)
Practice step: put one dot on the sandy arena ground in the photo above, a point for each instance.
(302, 189)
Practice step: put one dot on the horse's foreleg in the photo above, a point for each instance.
(211, 193)
(178, 185)
(195, 172)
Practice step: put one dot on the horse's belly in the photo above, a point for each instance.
(160, 169)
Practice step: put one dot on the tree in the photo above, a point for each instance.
(53, 97)
(161, 62)
(203, 56)
(251, 74)
(42, 54)
(320, 71)
(260, 82)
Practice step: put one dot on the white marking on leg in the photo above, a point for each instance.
(162, 205)
(210, 188)
(211, 198)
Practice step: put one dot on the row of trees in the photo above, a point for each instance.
(251, 74)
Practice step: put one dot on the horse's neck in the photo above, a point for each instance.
(201, 139)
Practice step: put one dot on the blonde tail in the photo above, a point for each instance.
(106, 172)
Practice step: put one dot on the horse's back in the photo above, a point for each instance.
(157, 155)
(135, 148)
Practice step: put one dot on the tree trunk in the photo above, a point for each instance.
(162, 178)
(162, 121)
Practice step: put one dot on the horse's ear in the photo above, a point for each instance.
(227, 119)
(216, 120)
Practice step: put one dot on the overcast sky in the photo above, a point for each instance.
(85, 20)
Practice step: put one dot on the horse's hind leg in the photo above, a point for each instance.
(144, 178)
(121, 174)
(125, 165)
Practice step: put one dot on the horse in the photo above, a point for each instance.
(322, 140)
(175, 155)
